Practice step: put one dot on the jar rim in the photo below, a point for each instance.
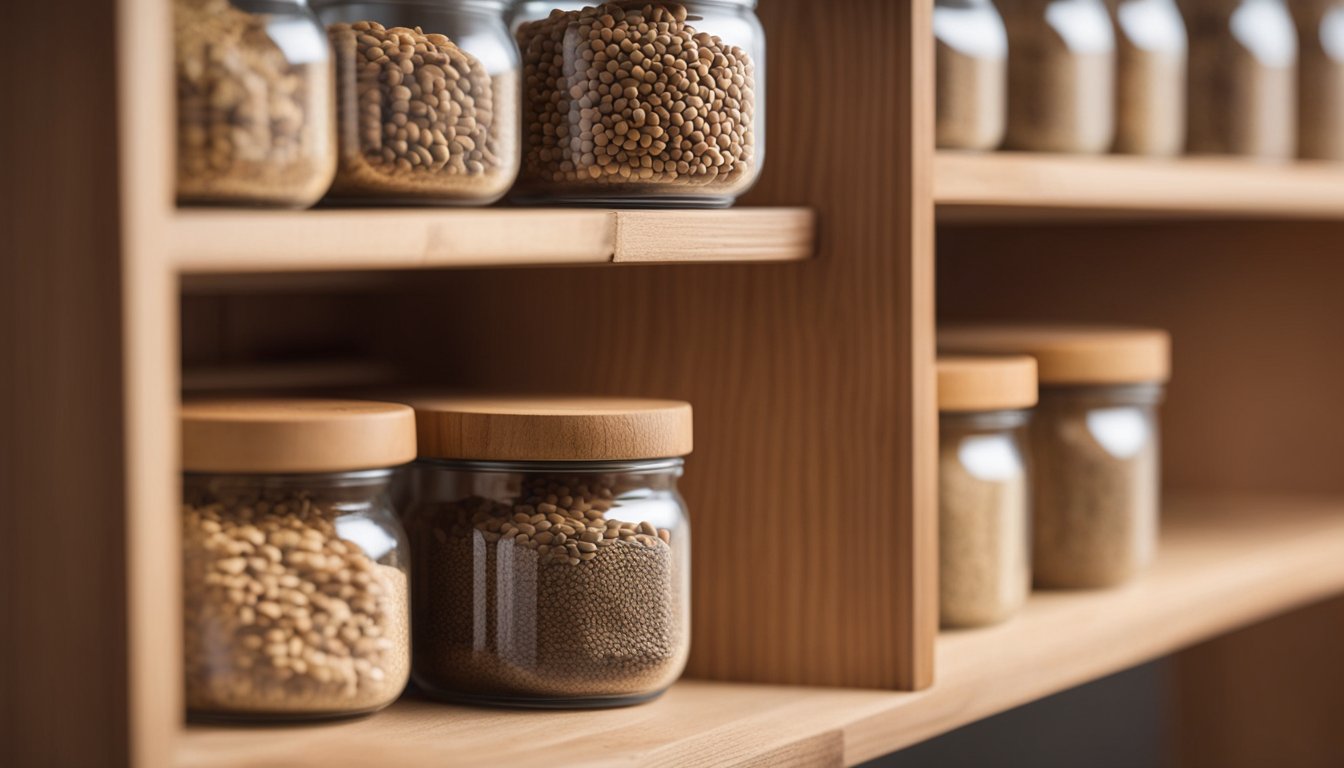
(502, 6)
(553, 467)
(1007, 418)
(1146, 393)
(321, 479)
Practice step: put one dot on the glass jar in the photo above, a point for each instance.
(1094, 446)
(295, 587)
(1243, 70)
(557, 581)
(427, 98)
(254, 103)
(972, 69)
(1320, 82)
(1151, 53)
(1061, 75)
(984, 496)
(641, 103)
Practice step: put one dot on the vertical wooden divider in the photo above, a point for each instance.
(812, 487)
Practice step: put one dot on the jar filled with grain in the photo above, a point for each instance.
(427, 100)
(296, 599)
(1243, 78)
(1320, 82)
(984, 497)
(972, 64)
(1094, 446)
(254, 103)
(641, 103)
(1151, 53)
(552, 550)
(1061, 75)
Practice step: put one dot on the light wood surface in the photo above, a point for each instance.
(986, 382)
(1224, 562)
(490, 428)
(224, 242)
(1009, 185)
(1070, 354)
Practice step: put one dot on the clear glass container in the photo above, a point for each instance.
(1151, 58)
(254, 103)
(972, 64)
(550, 584)
(984, 526)
(427, 100)
(1320, 98)
(1243, 78)
(641, 103)
(1061, 75)
(296, 595)
(1095, 454)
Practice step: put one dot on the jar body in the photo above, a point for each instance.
(296, 595)
(1320, 99)
(1151, 58)
(984, 518)
(1095, 454)
(659, 104)
(1061, 75)
(550, 584)
(1243, 72)
(427, 101)
(972, 74)
(254, 103)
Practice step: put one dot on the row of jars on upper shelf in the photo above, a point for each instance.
(459, 102)
(1257, 78)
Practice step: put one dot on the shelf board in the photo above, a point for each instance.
(244, 242)
(1224, 563)
(1015, 186)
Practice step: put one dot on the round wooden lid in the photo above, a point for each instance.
(1072, 355)
(295, 436)
(986, 383)
(551, 428)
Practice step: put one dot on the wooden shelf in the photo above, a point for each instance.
(1224, 563)
(231, 242)
(1015, 186)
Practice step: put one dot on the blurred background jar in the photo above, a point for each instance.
(972, 74)
(254, 103)
(1151, 63)
(1320, 81)
(1243, 78)
(427, 100)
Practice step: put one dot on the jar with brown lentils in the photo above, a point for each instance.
(641, 103)
(427, 100)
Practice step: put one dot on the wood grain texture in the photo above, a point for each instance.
(223, 242)
(1005, 185)
(1224, 562)
(812, 382)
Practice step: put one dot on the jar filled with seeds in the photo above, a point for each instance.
(1243, 78)
(1061, 75)
(427, 100)
(1094, 446)
(295, 587)
(254, 103)
(552, 550)
(984, 524)
(1151, 57)
(641, 103)
(1320, 82)
(972, 64)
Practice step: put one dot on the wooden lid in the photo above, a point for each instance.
(295, 436)
(1072, 355)
(986, 383)
(551, 428)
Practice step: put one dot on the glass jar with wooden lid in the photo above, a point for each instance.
(972, 73)
(1151, 62)
(296, 600)
(552, 550)
(984, 491)
(1320, 82)
(1094, 445)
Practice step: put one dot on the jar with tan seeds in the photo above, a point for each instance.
(1320, 82)
(1151, 57)
(295, 588)
(1094, 441)
(552, 550)
(972, 64)
(984, 489)
(427, 100)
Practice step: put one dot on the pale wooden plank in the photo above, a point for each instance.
(749, 234)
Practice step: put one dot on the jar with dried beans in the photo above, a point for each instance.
(1320, 82)
(1151, 57)
(972, 76)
